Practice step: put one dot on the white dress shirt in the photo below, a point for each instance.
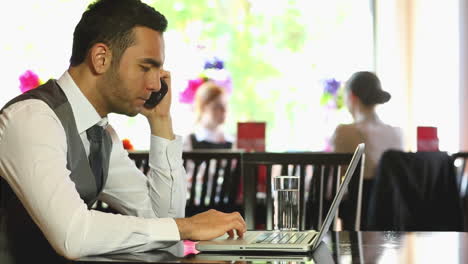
(33, 161)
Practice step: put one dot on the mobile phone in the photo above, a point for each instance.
(156, 97)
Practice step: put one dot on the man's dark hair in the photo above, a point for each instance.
(111, 22)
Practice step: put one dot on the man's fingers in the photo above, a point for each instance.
(238, 225)
(240, 228)
(212, 223)
(240, 234)
(241, 223)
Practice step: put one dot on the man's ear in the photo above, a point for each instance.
(100, 58)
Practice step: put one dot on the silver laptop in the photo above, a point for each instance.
(232, 257)
(284, 241)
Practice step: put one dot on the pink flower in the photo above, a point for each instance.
(188, 95)
(29, 80)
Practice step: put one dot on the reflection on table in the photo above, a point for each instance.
(337, 247)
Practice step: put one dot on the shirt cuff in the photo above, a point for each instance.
(164, 153)
(164, 229)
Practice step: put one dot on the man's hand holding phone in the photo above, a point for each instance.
(162, 96)
(156, 97)
(157, 109)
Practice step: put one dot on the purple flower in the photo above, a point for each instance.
(214, 63)
(213, 71)
(331, 86)
(332, 97)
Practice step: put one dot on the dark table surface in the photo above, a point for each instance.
(337, 247)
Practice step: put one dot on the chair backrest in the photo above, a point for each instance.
(214, 181)
(460, 159)
(320, 174)
(141, 159)
(415, 191)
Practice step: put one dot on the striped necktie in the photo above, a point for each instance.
(95, 135)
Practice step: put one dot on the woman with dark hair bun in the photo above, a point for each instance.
(363, 93)
(367, 87)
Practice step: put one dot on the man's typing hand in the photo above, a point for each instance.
(211, 224)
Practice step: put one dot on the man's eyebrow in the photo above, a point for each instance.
(153, 62)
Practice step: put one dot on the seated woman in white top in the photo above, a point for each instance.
(210, 105)
(210, 109)
(363, 93)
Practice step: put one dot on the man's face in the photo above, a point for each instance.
(130, 83)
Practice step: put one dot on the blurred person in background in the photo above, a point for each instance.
(363, 92)
(211, 107)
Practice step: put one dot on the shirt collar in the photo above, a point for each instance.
(85, 114)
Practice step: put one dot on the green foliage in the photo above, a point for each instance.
(247, 34)
(275, 51)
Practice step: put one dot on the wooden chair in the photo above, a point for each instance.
(320, 174)
(460, 160)
(141, 159)
(214, 181)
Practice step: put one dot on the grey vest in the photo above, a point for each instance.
(19, 235)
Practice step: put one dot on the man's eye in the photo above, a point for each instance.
(144, 68)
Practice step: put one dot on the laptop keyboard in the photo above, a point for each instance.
(281, 238)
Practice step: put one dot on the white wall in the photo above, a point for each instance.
(463, 99)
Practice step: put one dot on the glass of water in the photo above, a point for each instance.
(286, 202)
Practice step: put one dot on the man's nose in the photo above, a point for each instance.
(154, 83)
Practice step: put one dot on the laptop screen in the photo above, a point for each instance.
(336, 202)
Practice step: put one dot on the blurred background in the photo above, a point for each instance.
(278, 60)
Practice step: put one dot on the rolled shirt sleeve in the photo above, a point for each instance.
(167, 177)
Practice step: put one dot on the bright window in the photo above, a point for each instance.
(277, 53)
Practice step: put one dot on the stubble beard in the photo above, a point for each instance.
(120, 104)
